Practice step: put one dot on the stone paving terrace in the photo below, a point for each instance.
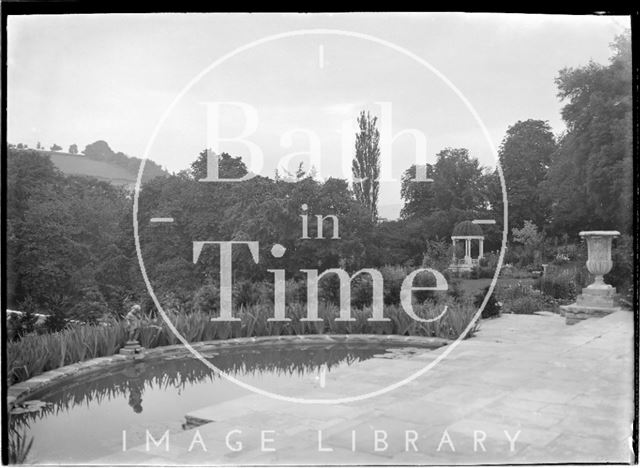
(567, 389)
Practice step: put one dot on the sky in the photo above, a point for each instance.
(223, 81)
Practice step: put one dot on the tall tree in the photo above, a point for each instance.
(366, 164)
(228, 166)
(99, 150)
(458, 183)
(260, 209)
(61, 231)
(73, 149)
(461, 190)
(525, 155)
(590, 182)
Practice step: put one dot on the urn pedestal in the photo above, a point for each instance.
(597, 299)
(132, 348)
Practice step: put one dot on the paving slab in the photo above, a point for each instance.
(566, 391)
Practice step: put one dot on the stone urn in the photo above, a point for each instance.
(599, 261)
(597, 299)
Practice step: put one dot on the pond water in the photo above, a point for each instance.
(85, 417)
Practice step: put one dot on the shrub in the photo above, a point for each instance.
(532, 241)
(559, 286)
(486, 272)
(492, 307)
(505, 292)
(247, 293)
(175, 302)
(566, 254)
(525, 305)
(510, 271)
(21, 325)
(621, 275)
(55, 322)
(296, 292)
(207, 299)
(437, 255)
(455, 291)
(479, 271)
(522, 299)
(329, 289)
(576, 273)
(362, 287)
(561, 259)
(393, 277)
(489, 260)
(90, 308)
(362, 291)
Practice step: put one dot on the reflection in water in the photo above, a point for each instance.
(170, 387)
(135, 384)
(130, 378)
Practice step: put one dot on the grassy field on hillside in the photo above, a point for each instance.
(81, 165)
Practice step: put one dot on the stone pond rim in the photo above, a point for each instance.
(20, 392)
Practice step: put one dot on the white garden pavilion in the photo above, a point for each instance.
(466, 232)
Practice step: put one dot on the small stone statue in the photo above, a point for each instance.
(134, 318)
(134, 323)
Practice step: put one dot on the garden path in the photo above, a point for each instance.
(567, 389)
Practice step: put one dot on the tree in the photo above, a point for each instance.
(61, 230)
(461, 190)
(366, 164)
(532, 240)
(418, 197)
(458, 183)
(38, 146)
(590, 181)
(525, 155)
(73, 149)
(261, 209)
(55, 147)
(99, 150)
(228, 166)
(91, 308)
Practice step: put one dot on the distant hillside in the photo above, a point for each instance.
(75, 164)
(100, 151)
(101, 162)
